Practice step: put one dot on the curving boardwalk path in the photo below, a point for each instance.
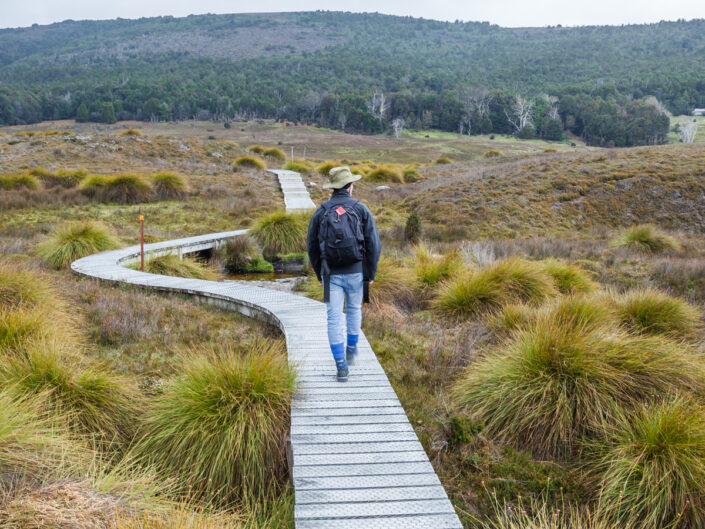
(356, 461)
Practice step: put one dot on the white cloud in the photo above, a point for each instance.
(513, 13)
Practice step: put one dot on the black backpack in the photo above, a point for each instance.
(340, 234)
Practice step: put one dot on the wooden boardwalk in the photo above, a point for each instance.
(356, 461)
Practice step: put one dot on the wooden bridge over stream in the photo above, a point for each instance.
(356, 460)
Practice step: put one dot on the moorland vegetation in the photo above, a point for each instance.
(537, 314)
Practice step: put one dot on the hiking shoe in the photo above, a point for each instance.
(342, 371)
(351, 354)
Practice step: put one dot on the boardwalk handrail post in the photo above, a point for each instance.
(142, 243)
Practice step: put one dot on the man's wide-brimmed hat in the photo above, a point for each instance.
(339, 177)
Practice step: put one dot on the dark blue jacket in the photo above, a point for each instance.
(373, 247)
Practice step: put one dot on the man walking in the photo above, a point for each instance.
(344, 248)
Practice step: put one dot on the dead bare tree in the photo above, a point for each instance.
(342, 120)
(551, 106)
(378, 105)
(688, 131)
(311, 102)
(521, 113)
(398, 125)
(476, 101)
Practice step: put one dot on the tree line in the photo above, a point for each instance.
(376, 74)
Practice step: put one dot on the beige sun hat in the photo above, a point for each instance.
(338, 177)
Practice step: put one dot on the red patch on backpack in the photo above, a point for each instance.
(340, 210)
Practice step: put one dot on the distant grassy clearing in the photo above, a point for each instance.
(682, 120)
(323, 143)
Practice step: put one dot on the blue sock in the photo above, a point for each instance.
(338, 350)
(352, 340)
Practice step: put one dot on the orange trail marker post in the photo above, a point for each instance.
(142, 243)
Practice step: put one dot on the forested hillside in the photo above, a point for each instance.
(359, 72)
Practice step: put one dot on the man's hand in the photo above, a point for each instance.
(372, 281)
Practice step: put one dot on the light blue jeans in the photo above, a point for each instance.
(345, 289)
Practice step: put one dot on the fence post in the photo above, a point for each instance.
(142, 243)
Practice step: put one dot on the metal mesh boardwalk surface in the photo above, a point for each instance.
(356, 461)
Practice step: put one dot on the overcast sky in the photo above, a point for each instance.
(511, 13)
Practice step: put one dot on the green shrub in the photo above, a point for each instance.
(487, 289)
(275, 154)
(74, 240)
(647, 239)
(169, 186)
(652, 467)
(653, 312)
(412, 228)
(172, 265)
(492, 153)
(280, 233)
(442, 160)
(411, 175)
(97, 402)
(552, 386)
(385, 174)
(220, 428)
(431, 269)
(569, 279)
(257, 149)
(299, 166)
(14, 182)
(241, 255)
(251, 162)
(122, 189)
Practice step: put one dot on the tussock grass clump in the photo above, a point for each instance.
(20, 287)
(122, 189)
(511, 317)
(550, 149)
(325, 168)
(568, 278)
(487, 289)
(653, 467)
(74, 240)
(257, 149)
(220, 428)
(66, 178)
(299, 166)
(411, 175)
(543, 516)
(274, 154)
(169, 186)
(131, 132)
(281, 233)
(15, 182)
(19, 326)
(96, 402)
(393, 285)
(250, 162)
(553, 385)
(646, 238)
(492, 153)
(33, 443)
(443, 160)
(652, 312)
(242, 255)
(172, 265)
(385, 174)
(430, 269)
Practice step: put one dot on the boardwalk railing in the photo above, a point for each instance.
(356, 461)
